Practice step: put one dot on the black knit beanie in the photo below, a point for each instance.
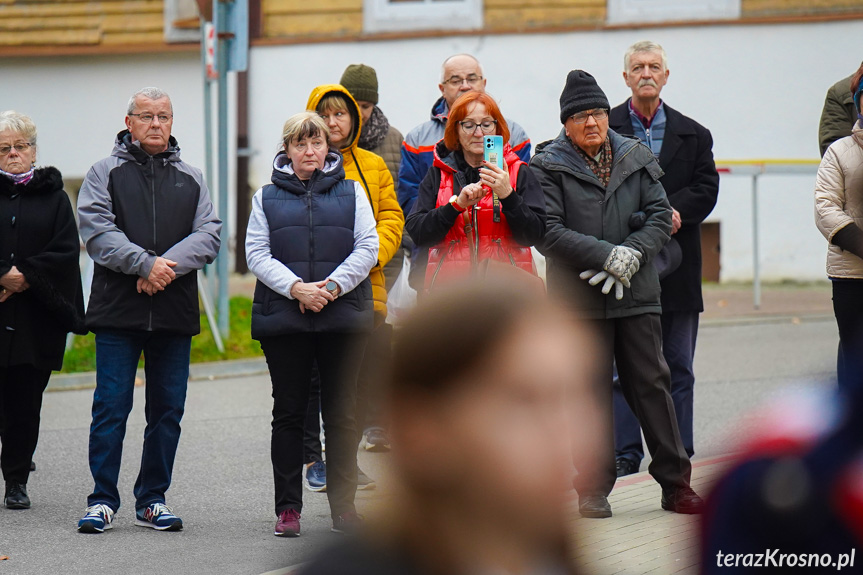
(581, 93)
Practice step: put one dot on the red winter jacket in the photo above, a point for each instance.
(458, 253)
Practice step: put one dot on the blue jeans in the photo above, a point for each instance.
(679, 332)
(166, 368)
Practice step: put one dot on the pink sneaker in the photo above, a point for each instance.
(288, 524)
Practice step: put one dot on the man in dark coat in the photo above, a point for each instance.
(149, 225)
(595, 182)
(684, 149)
(839, 114)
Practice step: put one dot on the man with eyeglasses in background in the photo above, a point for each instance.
(459, 74)
(684, 149)
(149, 225)
(607, 219)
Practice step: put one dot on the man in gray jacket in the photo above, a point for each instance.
(149, 225)
(608, 217)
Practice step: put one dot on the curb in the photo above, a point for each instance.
(767, 319)
(206, 371)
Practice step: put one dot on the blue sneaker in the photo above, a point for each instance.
(158, 516)
(315, 476)
(97, 519)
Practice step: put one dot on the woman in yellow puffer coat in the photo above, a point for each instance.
(342, 114)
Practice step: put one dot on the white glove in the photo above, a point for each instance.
(594, 277)
(623, 263)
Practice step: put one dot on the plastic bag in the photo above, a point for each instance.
(402, 297)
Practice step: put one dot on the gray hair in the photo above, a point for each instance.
(150, 93)
(447, 61)
(644, 46)
(12, 120)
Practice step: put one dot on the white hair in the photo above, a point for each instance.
(150, 93)
(443, 79)
(19, 123)
(644, 46)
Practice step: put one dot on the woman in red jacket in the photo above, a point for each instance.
(469, 211)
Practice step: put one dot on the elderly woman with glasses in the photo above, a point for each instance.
(469, 211)
(40, 294)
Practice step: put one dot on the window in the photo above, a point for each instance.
(402, 15)
(635, 11)
(182, 23)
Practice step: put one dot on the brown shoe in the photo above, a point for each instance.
(682, 500)
(594, 506)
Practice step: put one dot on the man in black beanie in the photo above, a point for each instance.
(594, 181)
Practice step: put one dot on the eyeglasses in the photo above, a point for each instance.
(487, 127)
(20, 148)
(148, 118)
(457, 81)
(317, 145)
(582, 117)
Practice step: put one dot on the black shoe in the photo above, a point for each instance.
(16, 496)
(348, 523)
(626, 466)
(682, 500)
(594, 506)
(32, 466)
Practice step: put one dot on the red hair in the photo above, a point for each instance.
(459, 112)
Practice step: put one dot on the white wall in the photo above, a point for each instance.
(759, 89)
(79, 102)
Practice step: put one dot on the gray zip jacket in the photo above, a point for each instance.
(132, 208)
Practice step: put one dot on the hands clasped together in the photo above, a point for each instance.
(622, 263)
(313, 296)
(160, 276)
(12, 282)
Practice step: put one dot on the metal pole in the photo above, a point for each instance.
(756, 258)
(222, 262)
(208, 144)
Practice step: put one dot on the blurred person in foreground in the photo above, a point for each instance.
(149, 225)
(684, 150)
(311, 243)
(839, 217)
(469, 210)
(343, 117)
(839, 113)
(506, 403)
(595, 182)
(41, 298)
(794, 498)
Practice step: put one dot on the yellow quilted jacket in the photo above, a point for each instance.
(371, 172)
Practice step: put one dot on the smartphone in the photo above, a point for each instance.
(493, 150)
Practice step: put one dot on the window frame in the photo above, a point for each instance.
(390, 16)
(644, 11)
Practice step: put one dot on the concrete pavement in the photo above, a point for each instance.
(223, 483)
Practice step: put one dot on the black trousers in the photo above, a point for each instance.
(374, 371)
(291, 359)
(21, 389)
(848, 308)
(636, 344)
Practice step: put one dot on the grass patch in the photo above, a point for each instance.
(82, 355)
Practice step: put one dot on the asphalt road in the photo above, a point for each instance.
(223, 484)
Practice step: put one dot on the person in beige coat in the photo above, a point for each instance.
(839, 216)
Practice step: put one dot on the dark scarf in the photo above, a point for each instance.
(375, 130)
(602, 168)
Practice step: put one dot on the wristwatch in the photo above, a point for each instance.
(453, 201)
(333, 288)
